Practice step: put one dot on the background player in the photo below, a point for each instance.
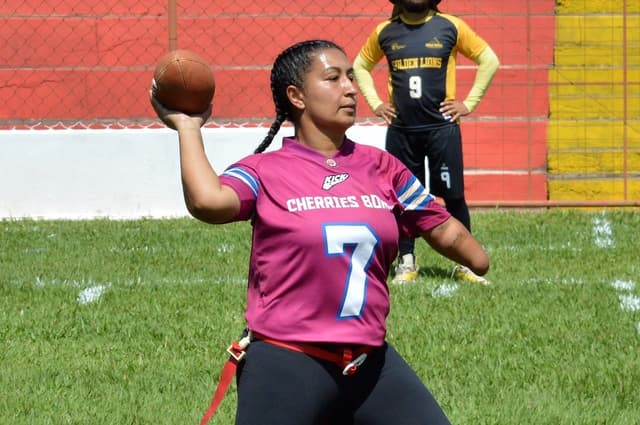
(326, 215)
(420, 45)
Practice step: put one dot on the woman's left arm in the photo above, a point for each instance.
(455, 242)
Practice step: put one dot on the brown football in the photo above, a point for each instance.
(183, 81)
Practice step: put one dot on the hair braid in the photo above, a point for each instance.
(273, 130)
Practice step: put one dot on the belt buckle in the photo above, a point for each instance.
(351, 368)
(237, 348)
(236, 352)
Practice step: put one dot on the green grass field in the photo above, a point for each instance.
(126, 322)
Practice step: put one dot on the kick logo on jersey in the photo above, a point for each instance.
(333, 180)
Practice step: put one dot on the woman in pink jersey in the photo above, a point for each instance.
(326, 214)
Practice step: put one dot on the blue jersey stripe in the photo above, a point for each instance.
(413, 195)
(244, 177)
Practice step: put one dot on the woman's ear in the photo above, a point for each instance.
(296, 97)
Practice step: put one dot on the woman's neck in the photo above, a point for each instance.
(321, 141)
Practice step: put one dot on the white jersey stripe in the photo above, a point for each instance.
(244, 177)
(414, 196)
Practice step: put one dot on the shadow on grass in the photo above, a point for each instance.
(435, 272)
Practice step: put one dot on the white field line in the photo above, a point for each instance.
(603, 238)
(91, 295)
(82, 284)
(602, 233)
(628, 301)
(446, 290)
(550, 281)
(623, 285)
(567, 246)
(90, 291)
(223, 248)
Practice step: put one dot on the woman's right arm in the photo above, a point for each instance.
(205, 198)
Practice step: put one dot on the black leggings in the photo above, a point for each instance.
(277, 386)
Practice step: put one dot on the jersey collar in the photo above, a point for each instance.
(429, 15)
(290, 144)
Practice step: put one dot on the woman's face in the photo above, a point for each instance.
(329, 93)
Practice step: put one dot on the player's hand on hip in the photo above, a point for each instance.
(174, 119)
(387, 112)
(451, 110)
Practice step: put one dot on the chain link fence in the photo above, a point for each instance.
(560, 118)
(77, 63)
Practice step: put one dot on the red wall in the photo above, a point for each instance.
(79, 60)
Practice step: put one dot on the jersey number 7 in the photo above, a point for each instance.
(363, 242)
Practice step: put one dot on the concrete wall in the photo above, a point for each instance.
(90, 62)
(77, 174)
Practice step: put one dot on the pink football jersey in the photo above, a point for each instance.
(325, 234)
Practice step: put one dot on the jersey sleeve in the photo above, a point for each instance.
(419, 211)
(371, 53)
(487, 66)
(469, 43)
(244, 181)
(367, 86)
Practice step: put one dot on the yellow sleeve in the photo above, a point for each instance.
(370, 54)
(487, 66)
(362, 71)
(469, 43)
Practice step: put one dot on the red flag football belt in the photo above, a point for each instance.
(349, 358)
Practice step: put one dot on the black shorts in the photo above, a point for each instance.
(441, 146)
(278, 386)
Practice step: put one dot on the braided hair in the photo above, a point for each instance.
(289, 69)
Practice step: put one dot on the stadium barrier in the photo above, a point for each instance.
(559, 126)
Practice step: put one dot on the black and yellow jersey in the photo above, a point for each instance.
(421, 56)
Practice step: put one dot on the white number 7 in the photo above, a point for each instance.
(363, 241)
